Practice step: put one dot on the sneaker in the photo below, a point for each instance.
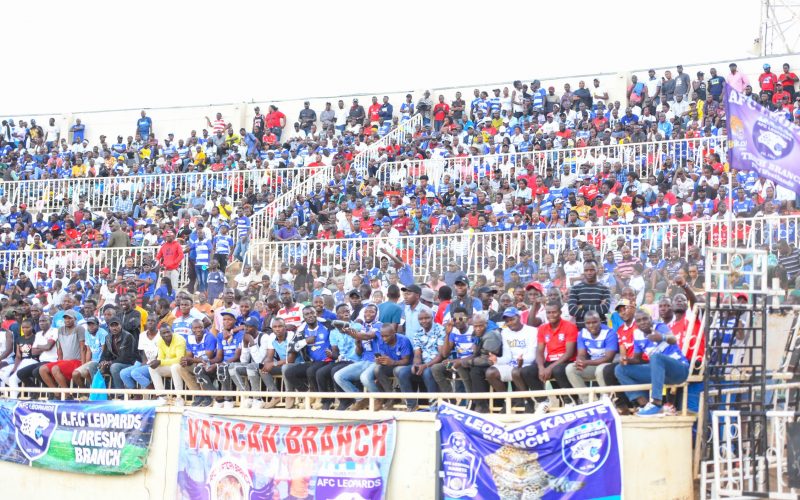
(256, 404)
(669, 410)
(179, 402)
(204, 402)
(217, 404)
(245, 403)
(289, 403)
(542, 408)
(161, 400)
(568, 406)
(228, 404)
(361, 404)
(272, 403)
(650, 410)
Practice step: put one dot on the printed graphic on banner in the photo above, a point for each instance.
(223, 458)
(89, 438)
(572, 454)
(762, 140)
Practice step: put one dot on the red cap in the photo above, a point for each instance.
(741, 295)
(534, 285)
(105, 270)
(23, 205)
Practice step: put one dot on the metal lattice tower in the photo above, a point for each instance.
(779, 30)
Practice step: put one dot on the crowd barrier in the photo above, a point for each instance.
(101, 193)
(471, 250)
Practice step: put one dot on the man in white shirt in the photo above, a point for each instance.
(519, 350)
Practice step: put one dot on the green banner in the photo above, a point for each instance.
(101, 437)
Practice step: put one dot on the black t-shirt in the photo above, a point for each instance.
(25, 344)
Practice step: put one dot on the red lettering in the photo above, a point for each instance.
(309, 443)
(252, 438)
(198, 433)
(362, 445)
(227, 428)
(217, 434)
(379, 432)
(326, 441)
(239, 439)
(292, 441)
(344, 439)
(268, 444)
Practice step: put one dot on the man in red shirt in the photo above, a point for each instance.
(275, 121)
(787, 79)
(374, 111)
(555, 349)
(170, 256)
(440, 112)
(767, 80)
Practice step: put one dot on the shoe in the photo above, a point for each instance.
(161, 400)
(568, 406)
(388, 405)
(217, 404)
(272, 403)
(318, 405)
(196, 402)
(179, 402)
(528, 405)
(245, 403)
(228, 404)
(669, 410)
(326, 405)
(204, 402)
(342, 406)
(256, 404)
(412, 409)
(650, 410)
(361, 404)
(289, 403)
(542, 408)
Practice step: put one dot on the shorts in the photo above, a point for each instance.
(505, 372)
(87, 370)
(66, 366)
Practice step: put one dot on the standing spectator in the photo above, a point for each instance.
(425, 107)
(307, 117)
(716, 84)
(589, 295)
(788, 79)
(78, 131)
(170, 256)
(440, 112)
(144, 125)
(328, 116)
(682, 84)
(736, 79)
(356, 113)
(768, 81)
(275, 121)
(218, 125)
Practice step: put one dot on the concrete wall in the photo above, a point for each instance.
(181, 120)
(663, 446)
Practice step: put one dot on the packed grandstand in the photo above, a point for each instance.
(521, 237)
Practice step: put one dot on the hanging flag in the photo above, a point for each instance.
(762, 140)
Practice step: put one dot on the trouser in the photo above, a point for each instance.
(157, 376)
(477, 378)
(661, 370)
(202, 277)
(408, 381)
(27, 366)
(206, 379)
(222, 260)
(240, 250)
(351, 373)
(184, 375)
(383, 375)
(444, 377)
(173, 276)
(116, 379)
(326, 373)
(136, 374)
(267, 377)
(191, 271)
(530, 374)
(608, 377)
(578, 378)
(295, 375)
(238, 372)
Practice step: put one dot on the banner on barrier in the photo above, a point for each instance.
(231, 458)
(106, 438)
(573, 453)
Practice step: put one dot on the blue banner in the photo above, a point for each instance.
(253, 460)
(762, 140)
(106, 438)
(573, 453)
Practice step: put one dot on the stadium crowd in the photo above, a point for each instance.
(621, 317)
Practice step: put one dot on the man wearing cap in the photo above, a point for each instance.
(427, 342)
(119, 352)
(201, 351)
(94, 339)
(462, 297)
(171, 349)
(767, 81)
(71, 344)
(519, 351)
(412, 309)
(556, 343)
(458, 344)
(245, 372)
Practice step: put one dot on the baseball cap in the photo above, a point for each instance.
(252, 322)
(510, 311)
(623, 303)
(92, 319)
(413, 289)
(354, 292)
(461, 278)
(534, 285)
(105, 270)
(70, 314)
(427, 295)
(741, 295)
(228, 313)
(485, 289)
(114, 320)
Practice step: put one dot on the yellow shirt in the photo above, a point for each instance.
(171, 354)
(143, 313)
(145, 153)
(79, 170)
(200, 158)
(233, 139)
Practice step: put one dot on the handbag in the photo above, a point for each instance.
(98, 382)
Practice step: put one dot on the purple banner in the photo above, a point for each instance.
(762, 140)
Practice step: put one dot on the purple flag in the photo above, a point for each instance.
(762, 140)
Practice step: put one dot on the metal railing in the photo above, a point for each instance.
(471, 250)
(264, 220)
(101, 193)
(644, 158)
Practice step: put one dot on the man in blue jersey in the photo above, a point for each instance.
(229, 347)
(201, 349)
(459, 343)
(427, 342)
(366, 345)
(393, 351)
(313, 341)
(657, 360)
(597, 347)
(342, 351)
(144, 125)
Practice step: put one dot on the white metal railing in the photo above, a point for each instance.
(264, 220)
(101, 193)
(644, 158)
(470, 250)
(72, 261)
